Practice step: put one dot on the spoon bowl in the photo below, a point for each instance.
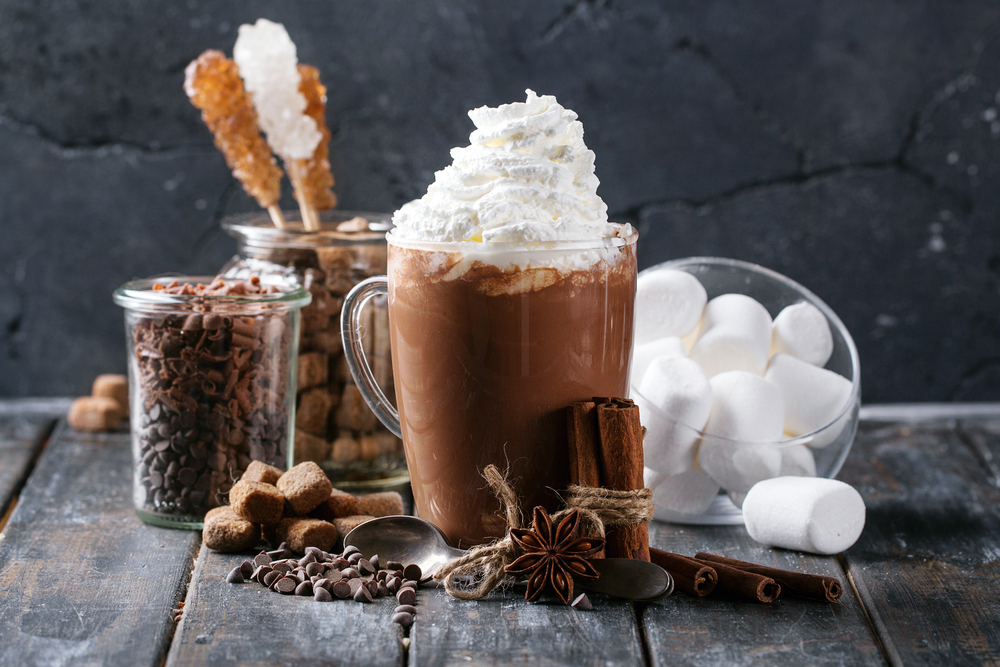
(409, 539)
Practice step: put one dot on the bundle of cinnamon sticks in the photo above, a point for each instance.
(727, 577)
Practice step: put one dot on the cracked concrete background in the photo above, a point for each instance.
(852, 145)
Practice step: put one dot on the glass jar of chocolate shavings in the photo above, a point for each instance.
(211, 387)
(333, 425)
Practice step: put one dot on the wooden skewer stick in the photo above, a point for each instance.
(277, 217)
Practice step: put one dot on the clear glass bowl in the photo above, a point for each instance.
(829, 444)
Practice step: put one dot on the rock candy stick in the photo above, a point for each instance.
(213, 84)
(268, 64)
(316, 178)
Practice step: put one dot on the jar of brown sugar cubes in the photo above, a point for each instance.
(211, 386)
(333, 425)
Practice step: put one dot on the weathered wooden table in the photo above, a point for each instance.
(84, 582)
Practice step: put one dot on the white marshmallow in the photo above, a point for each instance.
(802, 331)
(667, 303)
(735, 336)
(737, 498)
(746, 408)
(688, 493)
(652, 479)
(814, 396)
(644, 354)
(737, 466)
(797, 461)
(811, 514)
(680, 398)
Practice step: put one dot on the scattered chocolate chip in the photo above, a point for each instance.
(351, 550)
(363, 595)
(305, 588)
(320, 594)
(341, 589)
(247, 568)
(406, 596)
(412, 571)
(405, 608)
(365, 567)
(350, 573)
(270, 578)
(261, 559)
(286, 585)
(403, 619)
(312, 569)
(393, 565)
(581, 601)
(374, 561)
(235, 575)
(382, 590)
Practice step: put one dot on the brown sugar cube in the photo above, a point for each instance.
(353, 412)
(313, 409)
(257, 502)
(313, 370)
(112, 386)
(368, 447)
(301, 533)
(95, 413)
(305, 486)
(309, 447)
(258, 471)
(386, 503)
(226, 531)
(345, 448)
(348, 523)
(338, 505)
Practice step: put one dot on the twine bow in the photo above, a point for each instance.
(476, 574)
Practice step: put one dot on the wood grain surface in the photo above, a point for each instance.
(247, 624)
(82, 580)
(505, 630)
(21, 439)
(684, 630)
(927, 566)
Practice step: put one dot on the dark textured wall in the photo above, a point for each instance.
(852, 144)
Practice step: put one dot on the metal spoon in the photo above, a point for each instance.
(409, 539)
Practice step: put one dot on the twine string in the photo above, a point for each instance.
(476, 574)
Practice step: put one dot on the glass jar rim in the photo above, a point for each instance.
(256, 229)
(139, 295)
(631, 235)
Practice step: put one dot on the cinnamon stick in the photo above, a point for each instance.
(690, 576)
(744, 585)
(813, 586)
(582, 439)
(620, 455)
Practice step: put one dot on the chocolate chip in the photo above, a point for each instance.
(350, 550)
(320, 594)
(286, 585)
(270, 578)
(405, 620)
(382, 590)
(374, 561)
(350, 573)
(406, 596)
(312, 569)
(408, 584)
(363, 595)
(581, 601)
(405, 608)
(372, 587)
(247, 568)
(235, 576)
(393, 565)
(354, 558)
(261, 559)
(304, 588)
(365, 566)
(412, 571)
(341, 589)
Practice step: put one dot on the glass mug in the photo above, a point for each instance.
(490, 343)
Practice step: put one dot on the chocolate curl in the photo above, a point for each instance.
(812, 586)
(690, 576)
(743, 585)
(620, 436)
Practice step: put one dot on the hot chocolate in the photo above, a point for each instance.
(485, 365)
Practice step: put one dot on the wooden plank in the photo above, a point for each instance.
(983, 436)
(505, 630)
(82, 580)
(926, 566)
(247, 624)
(683, 630)
(21, 439)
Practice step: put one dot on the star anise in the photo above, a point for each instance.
(553, 555)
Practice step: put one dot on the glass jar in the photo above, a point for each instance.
(211, 388)
(333, 425)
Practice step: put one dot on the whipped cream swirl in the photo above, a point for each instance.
(526, 177)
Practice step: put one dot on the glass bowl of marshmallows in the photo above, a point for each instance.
(740, 375)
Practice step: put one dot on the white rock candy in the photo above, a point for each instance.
(735, 336)
(685, 494)
(668, 303)
(644, 354)
(266, 57)
(803, 331)
(813, 396)
(680, 398)
(811, 514)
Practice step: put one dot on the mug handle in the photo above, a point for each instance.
(350, 334)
